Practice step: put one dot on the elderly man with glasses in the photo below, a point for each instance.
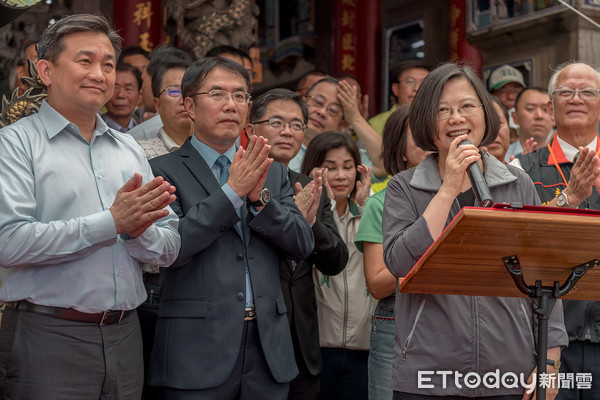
(280, 116)
(330, 101)
(222, 330)
(564, 173)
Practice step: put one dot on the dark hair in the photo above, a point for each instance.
(260, 104)
(502, 107)
(399, 69)
(196, 73)
(536, 88)
(124, 67)
(52, 42)
(132, 51)
(424, 108)
(302, 80)
(165, 56)
(220, 50)
(328, 79)
(394, 141)
(160, 72)
(317, 150)
(22, 57)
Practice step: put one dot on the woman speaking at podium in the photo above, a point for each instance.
(461, 346)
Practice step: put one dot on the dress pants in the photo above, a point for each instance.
(42, 357)
(251, 378)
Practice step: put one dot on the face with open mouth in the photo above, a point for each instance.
(460, 113)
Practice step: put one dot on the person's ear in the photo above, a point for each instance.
(250, 130)
(550, 109)
(395, 89)
(44, 68)
(189, 105)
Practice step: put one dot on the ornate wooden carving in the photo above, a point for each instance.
(201, 25)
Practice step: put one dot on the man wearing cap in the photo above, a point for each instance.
(506, 82)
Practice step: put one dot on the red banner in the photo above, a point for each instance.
(346, 53)
(138, 22)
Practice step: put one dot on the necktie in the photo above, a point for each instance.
(222, 162)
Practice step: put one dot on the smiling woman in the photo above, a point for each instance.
(344, 303)
(481, 334)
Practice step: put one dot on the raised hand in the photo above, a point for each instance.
(584, 174)
(363, 186)
(136, 207)
(249, 168)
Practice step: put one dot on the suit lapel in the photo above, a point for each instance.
(204, 175)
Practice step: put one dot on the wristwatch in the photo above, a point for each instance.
(554, 363)
(263, 199)
(562, 200)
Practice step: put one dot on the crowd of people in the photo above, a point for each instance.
(165, 235)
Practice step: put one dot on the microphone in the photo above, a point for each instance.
(478, 183)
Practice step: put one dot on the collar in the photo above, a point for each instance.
(564, 152)
(115, 125)
(55, 123)
(209, 154)
(169, 143)
(427, 176)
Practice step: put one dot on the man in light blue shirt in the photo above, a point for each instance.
(79, 210)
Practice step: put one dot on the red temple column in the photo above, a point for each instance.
(460, 49)
(138, 22)
(357, 45)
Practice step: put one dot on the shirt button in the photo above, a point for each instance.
(240, 296)
(239, 256)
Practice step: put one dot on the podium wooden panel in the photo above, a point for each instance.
(549, 244)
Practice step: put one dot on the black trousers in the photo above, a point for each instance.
(251, 378)
(581, 357)
(42, 357)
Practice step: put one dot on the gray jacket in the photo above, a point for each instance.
(466, 334)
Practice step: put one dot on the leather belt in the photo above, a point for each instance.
(249, 314)
(103, 318)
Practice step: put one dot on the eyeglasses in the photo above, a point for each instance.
(411, 82)
(568, 94)
(172, 91)
(219, 96)
(466, 110)
(319, 101)
(279, 124)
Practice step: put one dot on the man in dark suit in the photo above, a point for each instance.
(222, 330)
(280, 116)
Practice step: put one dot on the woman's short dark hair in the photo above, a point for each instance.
(424, 108)
(317, 150)
(394, 143)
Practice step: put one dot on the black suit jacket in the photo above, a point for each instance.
(201, 317)
(330, 257)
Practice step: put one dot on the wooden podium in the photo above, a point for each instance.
(515, 251)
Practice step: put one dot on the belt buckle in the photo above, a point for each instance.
(108, 317)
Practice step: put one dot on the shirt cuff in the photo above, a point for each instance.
(235, 200)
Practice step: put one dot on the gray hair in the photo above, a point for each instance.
(558, 70)
(52, 42)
